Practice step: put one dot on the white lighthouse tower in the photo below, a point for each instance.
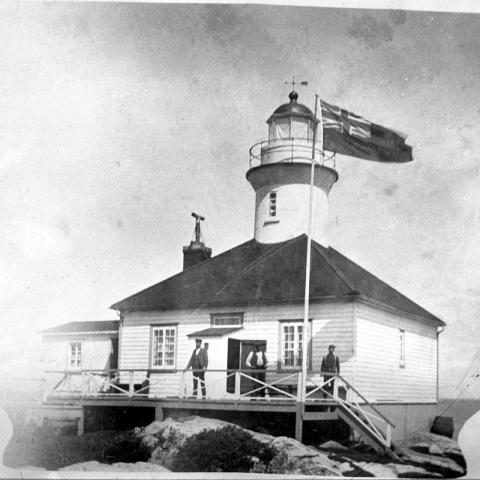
(280, 175)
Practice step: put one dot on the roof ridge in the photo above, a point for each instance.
(331, 263)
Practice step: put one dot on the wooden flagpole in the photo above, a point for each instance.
(307, 266)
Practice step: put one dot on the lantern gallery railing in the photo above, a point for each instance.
(288, 150)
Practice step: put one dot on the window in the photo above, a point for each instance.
(164, 342)
(300, 128)
(226, 319)
(282, 128)
(292, 346)
(272, 207)
(402, 348)
(76, 354)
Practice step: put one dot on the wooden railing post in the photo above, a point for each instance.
(300, 387)
(182, 384)
(131, 389)
(388, 439)
(83, 384)
(335, 388)
(238, 392)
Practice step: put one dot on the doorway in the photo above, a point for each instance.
(237, 354)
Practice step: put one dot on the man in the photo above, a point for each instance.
(198, 362)
(257, 360)
(330, 364)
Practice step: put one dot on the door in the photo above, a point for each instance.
(248, 346)
(114, 354)
(233, 362)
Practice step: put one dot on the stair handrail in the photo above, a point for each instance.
(349, 385)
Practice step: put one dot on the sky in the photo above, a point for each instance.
(118, 120)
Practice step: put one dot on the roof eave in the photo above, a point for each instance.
(430, 317)
(241, 303)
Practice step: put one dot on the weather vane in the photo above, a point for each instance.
(293, 83)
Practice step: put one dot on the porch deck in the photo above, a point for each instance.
(233, 390)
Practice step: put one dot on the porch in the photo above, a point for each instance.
(235, 390)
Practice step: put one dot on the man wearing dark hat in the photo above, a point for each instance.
(198, 362)
(330, 364)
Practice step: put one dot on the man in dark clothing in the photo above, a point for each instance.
(257, 360)
(330, 364)
(198, 362)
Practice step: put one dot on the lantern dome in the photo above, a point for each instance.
(293, 108)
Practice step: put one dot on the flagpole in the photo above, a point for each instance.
(307, 266)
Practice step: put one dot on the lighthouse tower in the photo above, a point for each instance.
(280, 175)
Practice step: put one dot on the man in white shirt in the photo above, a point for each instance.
(257, 360)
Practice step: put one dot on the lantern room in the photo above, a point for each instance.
(291, 121)
(290, 135)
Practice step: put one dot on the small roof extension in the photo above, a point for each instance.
(96, 326)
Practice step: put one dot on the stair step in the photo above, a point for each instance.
(361, 427)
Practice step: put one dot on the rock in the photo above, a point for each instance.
(395, 470)
(409, 471)
(151, 429)
(444, 465)
(171, 434)
(425, 440)
(332, 445)
(94, 466)
(435, 450)
(291, 456)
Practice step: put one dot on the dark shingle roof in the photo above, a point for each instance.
(255, 273)
(98, 326)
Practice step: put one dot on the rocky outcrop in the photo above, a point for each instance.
(166, 439)
(424, 455)
(434, 452)
(94, 466)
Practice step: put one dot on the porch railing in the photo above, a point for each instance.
(172, 383)
(333, 391)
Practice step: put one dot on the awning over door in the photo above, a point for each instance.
(214, 332)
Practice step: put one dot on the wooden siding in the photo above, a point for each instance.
(331, 323)
(96, 350)
(379, 374)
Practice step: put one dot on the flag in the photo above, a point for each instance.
(348, 134)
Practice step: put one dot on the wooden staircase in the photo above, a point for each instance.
(373, 427)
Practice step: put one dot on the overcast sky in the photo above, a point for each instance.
(118, 120)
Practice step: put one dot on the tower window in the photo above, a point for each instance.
(272, 209)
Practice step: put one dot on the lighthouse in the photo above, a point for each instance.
(279, 172)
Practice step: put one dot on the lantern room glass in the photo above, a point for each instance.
(290, 128)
